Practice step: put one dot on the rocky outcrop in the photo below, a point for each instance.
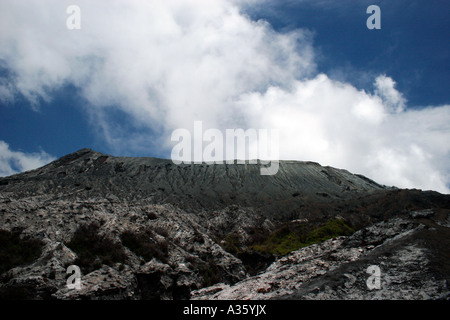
(409, 252)
(191, 253)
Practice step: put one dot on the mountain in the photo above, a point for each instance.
(87, 174)
(145, 228)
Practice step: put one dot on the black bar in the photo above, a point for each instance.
(229, 309)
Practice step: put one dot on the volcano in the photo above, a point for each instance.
(146, 228)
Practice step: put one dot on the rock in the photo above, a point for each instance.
(427, 213)
(177, 275)
(103, 283)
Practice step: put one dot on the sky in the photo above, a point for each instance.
(371, 101)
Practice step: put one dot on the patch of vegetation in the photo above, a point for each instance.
(253, 261)
(280, 242)
(290, 238)
(16, 251)
(232, 244)
(333, 228)
(210, 273)
(143, 245)
(94, 250)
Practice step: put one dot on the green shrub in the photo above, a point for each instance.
(290, 237)
(333, 228)
(16, 251)
(210, 273)
(232, 244)
(144, 246)
(280, 242)
(94, 250)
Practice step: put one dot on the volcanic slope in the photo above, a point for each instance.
(88, 174)
(175, 229)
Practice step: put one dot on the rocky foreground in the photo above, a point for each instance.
(143, 228)
(411, 254)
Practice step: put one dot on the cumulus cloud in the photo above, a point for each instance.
(12, 162)
(164, 64)
(156, 60)
(385, 88)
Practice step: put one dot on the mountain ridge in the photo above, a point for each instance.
(209, 184)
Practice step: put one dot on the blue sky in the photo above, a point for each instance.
(411, 46)
(374, 102)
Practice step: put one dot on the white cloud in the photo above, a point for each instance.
(165, 64)
(385, 88)
(12, 162)
(153, 59)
